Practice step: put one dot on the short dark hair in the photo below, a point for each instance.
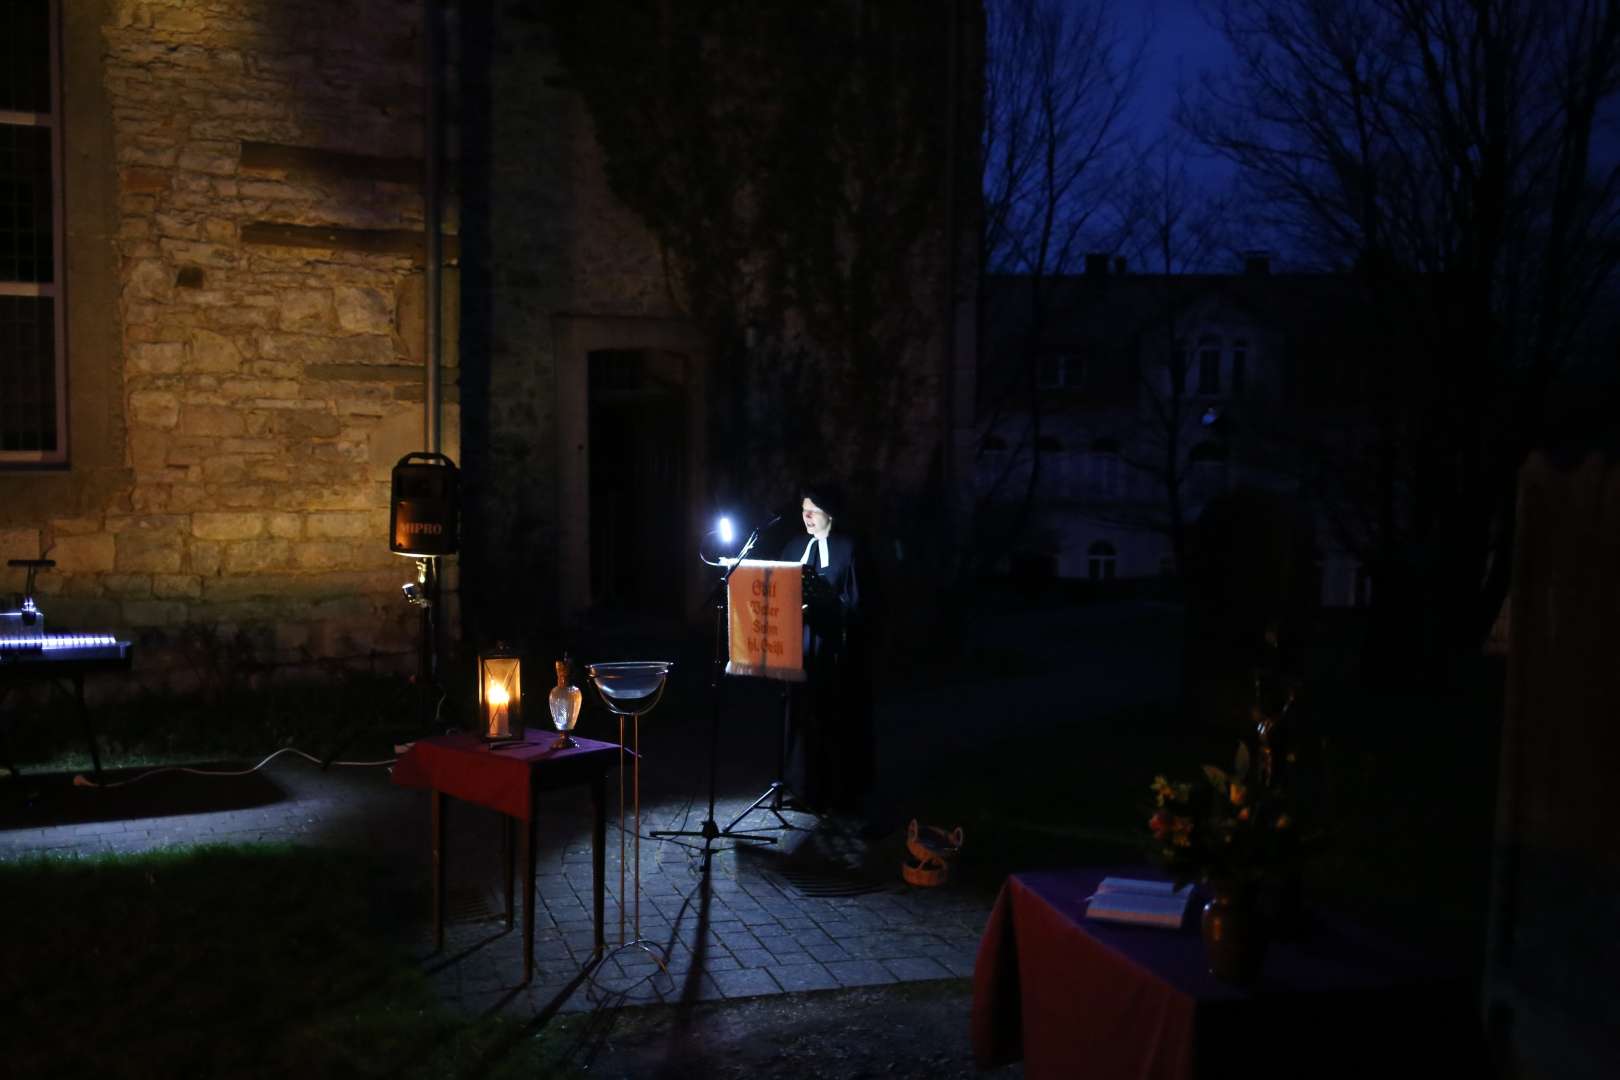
(825, 495)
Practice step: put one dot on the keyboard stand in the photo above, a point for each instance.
(12, 674)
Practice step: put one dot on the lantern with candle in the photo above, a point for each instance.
(500, 694)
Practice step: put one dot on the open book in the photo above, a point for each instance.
(1145, 903)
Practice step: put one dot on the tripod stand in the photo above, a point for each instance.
(710, 831)
(778, 796)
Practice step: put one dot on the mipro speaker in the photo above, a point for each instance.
(423, 516)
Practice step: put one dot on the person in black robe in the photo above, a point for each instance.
(829, 737)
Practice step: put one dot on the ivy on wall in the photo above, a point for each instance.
(790, 159)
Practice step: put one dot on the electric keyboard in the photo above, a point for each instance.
(60, 648)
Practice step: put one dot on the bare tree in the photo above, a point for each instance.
(1058, 81)
(1443, 149)
(1178, 225)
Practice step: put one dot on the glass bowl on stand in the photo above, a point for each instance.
(631, 688)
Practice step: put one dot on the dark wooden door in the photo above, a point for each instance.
(638, 452)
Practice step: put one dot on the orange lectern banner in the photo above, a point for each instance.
(767, 620)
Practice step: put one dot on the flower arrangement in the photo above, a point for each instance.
(1222, 829)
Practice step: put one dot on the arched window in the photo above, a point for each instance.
(1100, 561)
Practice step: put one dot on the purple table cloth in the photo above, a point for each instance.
(1076, 998)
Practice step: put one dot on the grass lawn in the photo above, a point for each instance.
(231, 961)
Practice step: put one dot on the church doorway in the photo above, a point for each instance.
(639, 483)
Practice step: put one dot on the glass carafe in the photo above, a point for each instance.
(565, 699)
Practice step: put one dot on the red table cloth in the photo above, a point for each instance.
(1077, 998)
(503, 778)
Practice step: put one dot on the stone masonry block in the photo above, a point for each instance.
(225, 469)
(366, 311)
(157, 358)
(227, 526)
(323, 555)
(178, 19)
(213, 353)
(217, 159)
(149, 552)
(215, 420)
(149, 523)
(154, 408)
(127, 586)
(149, 280)
(148, 449)
(89, 554)
(177, 586)
(338, 525)
(76, 526)
(252, 556)
(306, 309)
(280, 392)
(303, 424)
(251, 497)
(317, 349)
(286, 526)
(137, 179)
(205, 557)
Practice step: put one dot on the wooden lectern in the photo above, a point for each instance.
(766, 624)
(766, 631)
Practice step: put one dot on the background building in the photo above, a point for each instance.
(1116, 406)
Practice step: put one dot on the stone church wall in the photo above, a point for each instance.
(261, 346)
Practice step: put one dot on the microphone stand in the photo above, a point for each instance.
(710, 831)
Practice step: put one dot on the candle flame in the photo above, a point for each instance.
(496, 694)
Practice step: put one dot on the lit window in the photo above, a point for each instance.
(33, 377)
(1100, 561)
